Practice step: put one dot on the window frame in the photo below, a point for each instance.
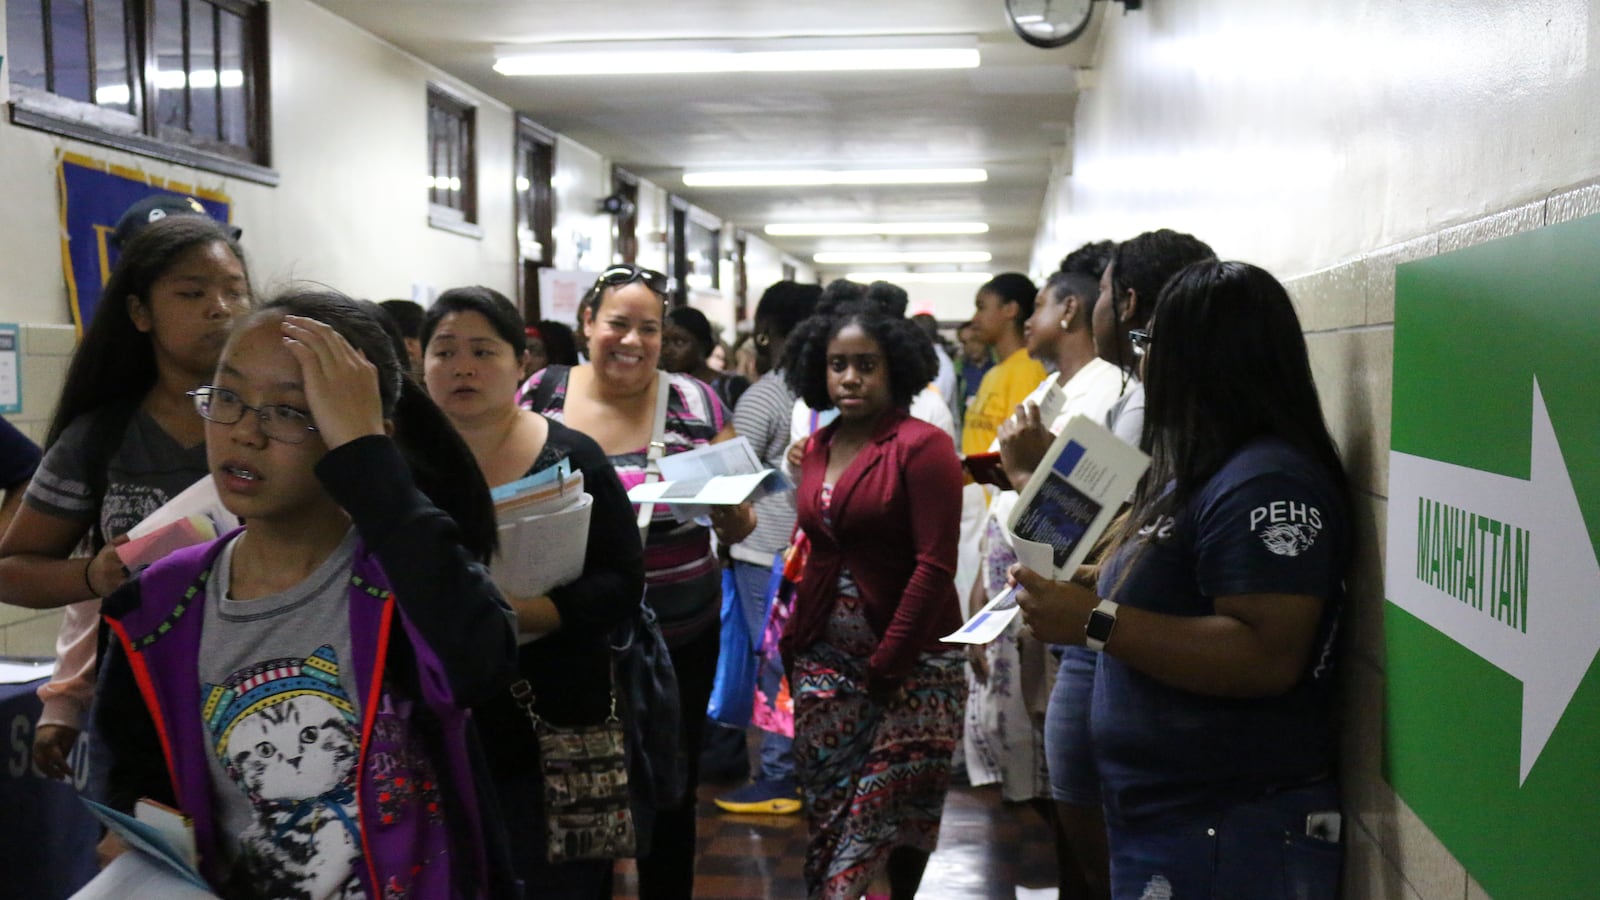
(461, 220)
(534, 152)
(140, 132)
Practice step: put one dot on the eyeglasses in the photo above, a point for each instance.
(279, 422)
(1141, 341)
(627, 273)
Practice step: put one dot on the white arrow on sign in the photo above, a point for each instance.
(1563, 619)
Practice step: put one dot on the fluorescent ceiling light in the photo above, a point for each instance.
(889, 257)
(814, 177)
(674, 57)
(857, 229)
(921, 277)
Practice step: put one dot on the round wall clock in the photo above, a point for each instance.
(1049, 23)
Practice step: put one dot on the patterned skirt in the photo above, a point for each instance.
(874, 775)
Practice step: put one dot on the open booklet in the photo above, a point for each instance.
(724, 474)
(1073, 495)
(194, 516)
(544, 531)
(163, 840)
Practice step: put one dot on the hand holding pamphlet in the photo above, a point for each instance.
(724, 474)
(1064, 508)
(194, 516)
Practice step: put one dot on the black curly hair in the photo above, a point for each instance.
(906, 350)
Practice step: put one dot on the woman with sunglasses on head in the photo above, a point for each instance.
(1214, 613)
(613, 399)
(124, 439)
(474, 352)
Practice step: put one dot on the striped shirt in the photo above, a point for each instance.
(676, 553)
(762, 417)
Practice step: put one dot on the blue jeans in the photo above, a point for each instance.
(752, 581)
(1247, 851)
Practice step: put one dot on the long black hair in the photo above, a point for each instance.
(907, 352)
(115, 363)
(440, 461)
(1227, 365)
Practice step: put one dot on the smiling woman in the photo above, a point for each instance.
(613, 400)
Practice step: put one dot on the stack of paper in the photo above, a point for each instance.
(544, 531)
(159, 836)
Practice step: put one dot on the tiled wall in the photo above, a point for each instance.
(1347, 311)
(45, 352)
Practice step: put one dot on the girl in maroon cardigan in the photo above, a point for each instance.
(877, 698)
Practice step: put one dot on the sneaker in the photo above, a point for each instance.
(778, 798)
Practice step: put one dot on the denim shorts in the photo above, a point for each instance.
(1259, 850)
(1073, 776)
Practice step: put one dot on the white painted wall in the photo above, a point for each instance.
(1329, 141)
(1295, 133)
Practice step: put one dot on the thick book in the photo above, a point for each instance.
(544, 531)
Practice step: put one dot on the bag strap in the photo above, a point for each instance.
(522, 694)
(658, 447)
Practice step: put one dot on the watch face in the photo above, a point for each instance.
(1049, 23)
(1099, 626)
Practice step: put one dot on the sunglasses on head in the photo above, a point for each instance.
(626, 273)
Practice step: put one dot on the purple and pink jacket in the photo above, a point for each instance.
(429, 635)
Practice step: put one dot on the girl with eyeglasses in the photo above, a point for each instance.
(124, 440)
(612, 399)
(1214, 612)
(299, 688)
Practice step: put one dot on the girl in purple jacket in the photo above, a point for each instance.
(297, 687)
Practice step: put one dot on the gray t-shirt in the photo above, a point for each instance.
(145, 471)
(282, 715)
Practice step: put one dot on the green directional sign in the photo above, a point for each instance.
(1493, 616)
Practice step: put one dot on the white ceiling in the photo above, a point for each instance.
(1011, 115)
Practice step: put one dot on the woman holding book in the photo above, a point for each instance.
(1214, 616)
(613, 399)
(877, 697)
(473, 350)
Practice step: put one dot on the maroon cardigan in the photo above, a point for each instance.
(896, 515)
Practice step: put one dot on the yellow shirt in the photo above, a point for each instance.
(1003, 387)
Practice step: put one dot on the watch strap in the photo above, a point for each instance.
(1102, 619)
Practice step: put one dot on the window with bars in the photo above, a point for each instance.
(452, 160)
(181, 80)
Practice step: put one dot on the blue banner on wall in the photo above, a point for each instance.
(94, 195)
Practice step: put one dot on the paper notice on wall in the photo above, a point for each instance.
(560, 290)
(10, 371)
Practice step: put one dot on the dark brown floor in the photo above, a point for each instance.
(986, 849)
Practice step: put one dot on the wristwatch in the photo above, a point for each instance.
(1098, 629)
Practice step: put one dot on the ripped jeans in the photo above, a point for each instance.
(1249, 851)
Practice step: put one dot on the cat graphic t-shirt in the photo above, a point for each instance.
(281, 712)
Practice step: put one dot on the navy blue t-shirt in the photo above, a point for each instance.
(1272, 520)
